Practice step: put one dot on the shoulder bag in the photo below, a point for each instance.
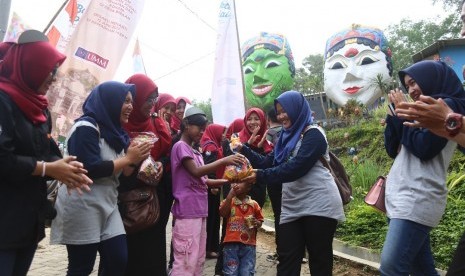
(139, 208)
(375, 197)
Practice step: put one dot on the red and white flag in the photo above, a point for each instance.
(228, 85)
(66, 21)
(63, 22)
(137, 61)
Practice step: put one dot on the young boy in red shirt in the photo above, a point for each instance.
(244, 217)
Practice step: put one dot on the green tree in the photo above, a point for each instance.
(301, 81)
(450, 4)
(309, 80)
(385, 85)
(408, 37)
(314, 64)
(206, 106)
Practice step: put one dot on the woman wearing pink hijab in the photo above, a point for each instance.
(28, 155)
(175, 123)
(164, 109)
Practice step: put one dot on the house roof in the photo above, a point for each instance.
(435, 47)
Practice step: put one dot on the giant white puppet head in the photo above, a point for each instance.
(354, 59)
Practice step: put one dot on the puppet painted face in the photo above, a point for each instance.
(355, 60)
(350, 73)
(269, 69)
(266, 76)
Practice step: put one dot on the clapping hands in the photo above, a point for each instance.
(70, 172)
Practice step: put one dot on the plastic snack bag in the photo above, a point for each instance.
(141, 137)
(148, 168)
(235, 173)
(234, 142)
(148, 171)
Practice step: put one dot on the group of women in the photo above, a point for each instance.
(101, 160)
(100, 150)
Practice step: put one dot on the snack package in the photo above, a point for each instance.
(234, 142)
(147, 172)
(140, 137)
(148, 168)
(249, 221)
(235, 173)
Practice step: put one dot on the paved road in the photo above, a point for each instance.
(51, 260)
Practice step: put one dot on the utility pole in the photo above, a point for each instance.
(4, 15)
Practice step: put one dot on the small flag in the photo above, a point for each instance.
(137, 61)
(62, 24)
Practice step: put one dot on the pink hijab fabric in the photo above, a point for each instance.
(245, 134)
(24, 68)
(175, 121)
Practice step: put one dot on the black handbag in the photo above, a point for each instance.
(52, 193)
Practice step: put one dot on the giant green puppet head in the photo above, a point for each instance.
(268, 67)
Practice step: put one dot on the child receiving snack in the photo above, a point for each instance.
(190, 182)
(244, 217)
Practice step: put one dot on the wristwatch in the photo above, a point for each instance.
(453, 123)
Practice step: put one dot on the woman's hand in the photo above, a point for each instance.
(138, 152)
(263, 140)
(427, 112)
(396, 97)
(254, 136)
(252, 178)
(70, 172)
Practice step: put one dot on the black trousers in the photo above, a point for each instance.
(213, 222)
(313, 233)
(274, 194)
(457, 266)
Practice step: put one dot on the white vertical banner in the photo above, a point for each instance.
(93, 56)
(228, 88)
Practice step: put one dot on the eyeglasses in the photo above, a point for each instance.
(54, 72)
(152, 100)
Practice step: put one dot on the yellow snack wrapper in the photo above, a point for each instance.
(235, 173)
(234, 142)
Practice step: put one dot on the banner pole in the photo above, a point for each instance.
(55, 16)
(240, 55)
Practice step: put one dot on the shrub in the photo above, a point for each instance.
(364, 226)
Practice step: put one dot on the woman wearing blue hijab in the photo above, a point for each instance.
(91, 222)
(311, 204)
(416, 191)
